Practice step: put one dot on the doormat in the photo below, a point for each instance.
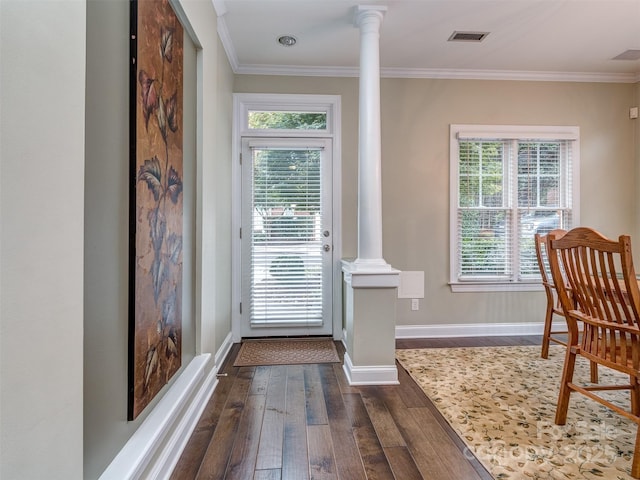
(286, 352)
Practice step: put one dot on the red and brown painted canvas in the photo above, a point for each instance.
(155, 303)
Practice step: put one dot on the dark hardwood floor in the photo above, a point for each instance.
(300, 422)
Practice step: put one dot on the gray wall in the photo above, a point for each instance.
(416, 114)
(106, 235)
(42, 100)
(636, 103)
(222, 200)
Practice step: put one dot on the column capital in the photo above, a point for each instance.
(363, 12)
(359, 275)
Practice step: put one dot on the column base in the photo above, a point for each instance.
(370, 374)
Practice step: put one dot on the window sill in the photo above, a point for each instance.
(463, 287)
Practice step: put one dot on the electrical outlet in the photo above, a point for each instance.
(415, 304)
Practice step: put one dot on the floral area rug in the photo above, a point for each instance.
(502, 402)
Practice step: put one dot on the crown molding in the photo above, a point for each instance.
(220, 7)
(227, 44)
(513, 75)
(298, 71)
(307, 71)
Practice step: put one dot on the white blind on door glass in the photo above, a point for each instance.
(286, 241)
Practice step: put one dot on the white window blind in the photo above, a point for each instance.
(504, 190)
(286, 245)
(483, 216)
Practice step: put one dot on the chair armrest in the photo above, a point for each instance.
(620, 327)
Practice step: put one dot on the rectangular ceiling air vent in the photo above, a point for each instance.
(467, 36)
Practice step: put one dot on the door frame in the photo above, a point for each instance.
(275, 328)
(242, 104)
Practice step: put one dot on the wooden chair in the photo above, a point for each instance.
(600, 275)
(553, 303)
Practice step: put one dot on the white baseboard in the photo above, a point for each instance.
(224, 349)
(344, 339)
(381, 375)
(163, 470)
(154, 449)
(371, 374)
(162, 466)
(469, 330)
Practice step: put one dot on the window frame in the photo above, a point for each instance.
(505, 133)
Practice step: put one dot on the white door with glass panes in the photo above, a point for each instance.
(287, 250)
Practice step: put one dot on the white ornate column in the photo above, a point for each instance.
(369, 19)
(370, 283)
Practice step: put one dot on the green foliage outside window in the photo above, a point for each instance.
(483, 243)
(286, 192)
(287, 121)
(285, 179)
(490, 215)
(481, 174)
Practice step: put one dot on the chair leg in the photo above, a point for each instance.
(635, 396)
(635, 463)
(548, 319)
(594, 372)
(565, 391)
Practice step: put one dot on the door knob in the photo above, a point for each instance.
(326, 248)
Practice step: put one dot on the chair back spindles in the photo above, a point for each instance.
(597, 271)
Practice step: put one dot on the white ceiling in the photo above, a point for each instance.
(528, 39)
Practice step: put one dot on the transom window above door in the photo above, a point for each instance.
(507, 184)
(288, 115)
(270, 120)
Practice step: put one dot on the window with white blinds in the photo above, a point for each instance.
(286, 242)
(508, 183)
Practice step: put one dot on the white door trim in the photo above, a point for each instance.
(311, 249)
(242, 103)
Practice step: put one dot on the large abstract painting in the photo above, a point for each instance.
(155, 277)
